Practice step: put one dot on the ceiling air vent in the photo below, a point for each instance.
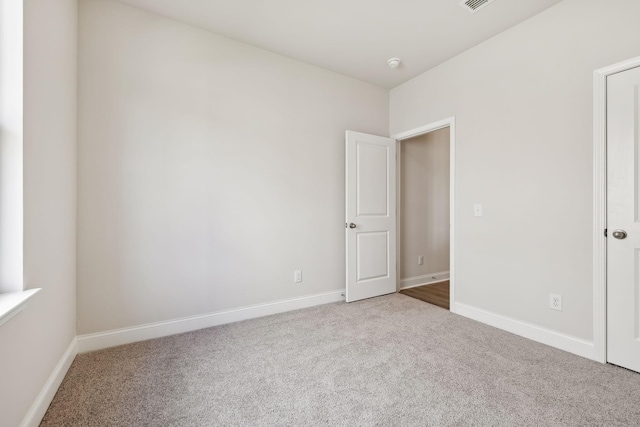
(475, 5)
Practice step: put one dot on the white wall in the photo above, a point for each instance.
(34, 341)
(424, 200)
(523, 107)
(209, 170)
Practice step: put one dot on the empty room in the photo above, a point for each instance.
(319, 213)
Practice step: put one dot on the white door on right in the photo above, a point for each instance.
(623, 219)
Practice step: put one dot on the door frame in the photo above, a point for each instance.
(600, 203)
(450, 123)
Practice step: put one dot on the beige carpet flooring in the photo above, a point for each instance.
(388, 361)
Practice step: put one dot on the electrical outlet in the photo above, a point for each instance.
(555, 302)
(297, 276)
(420, 259)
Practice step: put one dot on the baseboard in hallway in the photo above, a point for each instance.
(425, 279)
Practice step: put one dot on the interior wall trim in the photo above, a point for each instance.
(533, 332)
(41, 404)
(425, 279)
(100, 340)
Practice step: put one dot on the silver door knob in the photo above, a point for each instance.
(619, 234)
(352, 225)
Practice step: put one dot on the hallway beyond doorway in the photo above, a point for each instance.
(434, 293)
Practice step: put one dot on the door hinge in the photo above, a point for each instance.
(605, 232)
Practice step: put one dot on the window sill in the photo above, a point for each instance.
(13, 303)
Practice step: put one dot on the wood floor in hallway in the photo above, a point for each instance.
(435, 293)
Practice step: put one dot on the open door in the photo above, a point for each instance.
(370, 215)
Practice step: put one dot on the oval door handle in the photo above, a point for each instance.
(619, 234)
(352, 225)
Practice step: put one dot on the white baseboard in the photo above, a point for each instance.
(533, 332)
(100, 340)
(427, 279)
(41, 404)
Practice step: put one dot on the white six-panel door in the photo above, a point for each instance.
(370, 215)
(623, 219)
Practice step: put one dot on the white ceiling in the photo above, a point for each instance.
(353, 37)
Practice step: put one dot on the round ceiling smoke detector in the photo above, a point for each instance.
(393, 62)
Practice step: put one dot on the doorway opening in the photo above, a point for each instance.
(425, 175)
